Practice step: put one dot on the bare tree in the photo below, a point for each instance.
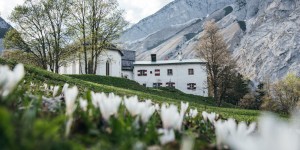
(213, 49)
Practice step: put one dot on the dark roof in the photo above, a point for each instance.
(128, 55)
(169, 62)
(128, 59)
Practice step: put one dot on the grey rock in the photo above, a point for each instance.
(263, 35)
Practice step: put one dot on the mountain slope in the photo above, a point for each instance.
(262, 34)
(4, 27)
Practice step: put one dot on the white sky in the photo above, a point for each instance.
(135, 9)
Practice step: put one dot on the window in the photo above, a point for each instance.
(170, 72)
(145, 85)
(191, 71)
(170, 84)
(191, 86)
(142, 72)
(157, 72)
(107, 68)
(156, 85)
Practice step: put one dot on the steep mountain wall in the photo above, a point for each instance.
(263, 35)
(4, 27)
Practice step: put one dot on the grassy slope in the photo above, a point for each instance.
(38, 75)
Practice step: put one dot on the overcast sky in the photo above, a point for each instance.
(135, 9)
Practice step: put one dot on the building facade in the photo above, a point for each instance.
(109, 64)
(188, 76)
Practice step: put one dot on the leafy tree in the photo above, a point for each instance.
(284, 95)
(21, 57)
(56, 13)
(31, 34)
(238, 88)
(96, 23)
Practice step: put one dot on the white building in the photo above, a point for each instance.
(109, 64)
(188, 76)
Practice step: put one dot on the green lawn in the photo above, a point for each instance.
(124, 87)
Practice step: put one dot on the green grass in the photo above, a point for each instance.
(123, 87)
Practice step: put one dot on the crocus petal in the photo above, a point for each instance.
(55, 90)
(70, 97)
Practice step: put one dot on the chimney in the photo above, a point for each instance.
(153, 57)
(179, 56)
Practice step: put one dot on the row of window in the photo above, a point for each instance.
(157, 72)
(190, 86)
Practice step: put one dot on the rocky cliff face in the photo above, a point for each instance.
(4, 27)
(263, 35)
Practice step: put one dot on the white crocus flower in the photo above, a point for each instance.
(45, 86)
(229, 131)
(147, 113)
(169, 116)
(95, 97)
(223, 130)
(32, 84)
(183, 109)
(144, 109)
(70, 97)
(133, 105)
(55, 90)
(9, 79)
(273, 133)
(83, 104)
(193, 113)
(109, 105)
(66, 86)
(167, 136)
(211, 117)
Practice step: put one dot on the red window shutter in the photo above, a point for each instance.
(157, 72)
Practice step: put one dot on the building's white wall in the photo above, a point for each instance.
(114, 58)
(70, 68)
(127, 74)
(180, 77)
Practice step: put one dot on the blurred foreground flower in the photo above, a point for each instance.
(183, 109)
(109, 105)
(211, 117)
(170, 116)
(83, 104)
(55, 90)
(144, 109)
(272, 134)
(193, 113)
(70, 98)
(9, 79)
(229, 131)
